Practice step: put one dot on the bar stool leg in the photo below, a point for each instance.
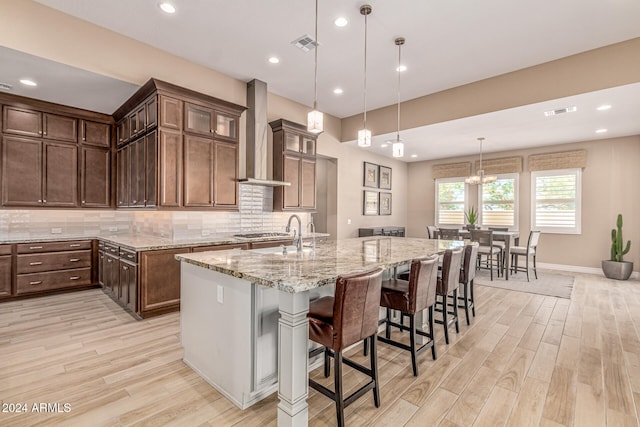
(466, 302)
(374, 370)
(432, 332)
(412, 343)
(445, 323)
(387, 332)
(327, 363)
(338, 385)
(455, 309)
(535, 270)
(473, 300)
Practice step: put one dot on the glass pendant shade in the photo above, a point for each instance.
(315, 121)
(398, 149)
(364, 138)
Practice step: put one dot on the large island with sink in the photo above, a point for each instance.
(243, 313)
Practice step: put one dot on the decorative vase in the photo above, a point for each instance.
(617, 270)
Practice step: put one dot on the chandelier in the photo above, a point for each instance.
(480, 178)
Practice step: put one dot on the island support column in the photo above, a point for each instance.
(293, 359)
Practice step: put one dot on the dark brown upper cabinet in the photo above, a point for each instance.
(20, 121)
(38, 173)
(60, 128)
(95, 177)
(190, 154)
(94, 133)
(294, 161)
(122, 130)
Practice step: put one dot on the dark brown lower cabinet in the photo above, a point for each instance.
(128, 295)
(5, 271)
(159, 281)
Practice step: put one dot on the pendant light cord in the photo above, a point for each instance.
(365, 70)
(315, 72)
(399, 62)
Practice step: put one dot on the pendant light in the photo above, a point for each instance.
(398, 145)
(315, 118)
(364, 134)
(480, 178)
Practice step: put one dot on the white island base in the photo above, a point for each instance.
(229, 331)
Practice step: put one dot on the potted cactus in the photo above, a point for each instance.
(616, 267)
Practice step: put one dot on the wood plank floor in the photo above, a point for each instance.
(526, 360)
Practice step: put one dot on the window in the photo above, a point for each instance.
(555, 204)
(499, 202)
(450, 201)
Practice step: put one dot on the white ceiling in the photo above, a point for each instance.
(449, 43)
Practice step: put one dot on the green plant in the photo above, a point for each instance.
(471, 215)
(616, 242)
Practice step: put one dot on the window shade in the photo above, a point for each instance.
(556, 201)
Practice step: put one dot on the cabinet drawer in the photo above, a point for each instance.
(111, 249)
(220, 247)
(53, 261)
(27, 283)
(29, 248)
(5, 249)
(129, 255)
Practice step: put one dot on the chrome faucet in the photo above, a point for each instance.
(297, 240)
(312, 226)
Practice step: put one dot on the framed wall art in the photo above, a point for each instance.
(385, 203)
(370, 203)
(385, 178)
(371, 175)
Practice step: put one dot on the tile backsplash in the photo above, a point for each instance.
(255, 214)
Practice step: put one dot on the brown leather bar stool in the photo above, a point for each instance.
(467, 275)
(337, 322)
(410, 297)
(448, 282)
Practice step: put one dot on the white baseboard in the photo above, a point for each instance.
(579, 269)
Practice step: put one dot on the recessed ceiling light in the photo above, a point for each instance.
(28, 82)
(560, 111)
(601, 130)
(401, 68)
(341, 21)
(274, 60)
(603, 107)
(167, 7)
(414, 155)
(338, 91)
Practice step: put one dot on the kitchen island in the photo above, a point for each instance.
(231, 331)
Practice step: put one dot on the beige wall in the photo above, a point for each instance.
(610, 66)
(609, 187)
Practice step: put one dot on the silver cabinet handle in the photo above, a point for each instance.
(74, 277)
(74, 245)
(35, 247)
(129, 256)
(74, 260)
(109, 260)
(39, 282)
(125, 267)
(44, 200)
(36, 263)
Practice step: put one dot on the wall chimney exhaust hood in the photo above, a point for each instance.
(257, 128)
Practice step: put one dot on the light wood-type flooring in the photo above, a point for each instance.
(526, 360)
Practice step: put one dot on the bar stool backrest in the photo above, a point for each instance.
(449, 233)
(534, 236)
(432, 231)
(356, 307)
(468, 271)
(483, 237)
(423, 279)
(451, 262)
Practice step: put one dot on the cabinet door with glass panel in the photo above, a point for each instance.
(207, 121)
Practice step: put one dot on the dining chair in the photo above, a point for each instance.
(410, 297)
(499, 241)
(432, 231)
(449, 234)
(488, 249)
(530, 250)
(337, 322)
(448, 282)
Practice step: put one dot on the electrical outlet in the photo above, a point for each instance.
(113, 228)
(56, 230)
(348, 221)
(220, 294)
(205, 233)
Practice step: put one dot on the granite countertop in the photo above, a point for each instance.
(298, 272)
(145, 242)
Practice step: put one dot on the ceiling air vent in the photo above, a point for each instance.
(560, 111)
(305, 43)
(5, 86)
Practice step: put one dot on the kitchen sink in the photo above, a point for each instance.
(260, 235)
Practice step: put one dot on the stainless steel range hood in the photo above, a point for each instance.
(257, 152)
